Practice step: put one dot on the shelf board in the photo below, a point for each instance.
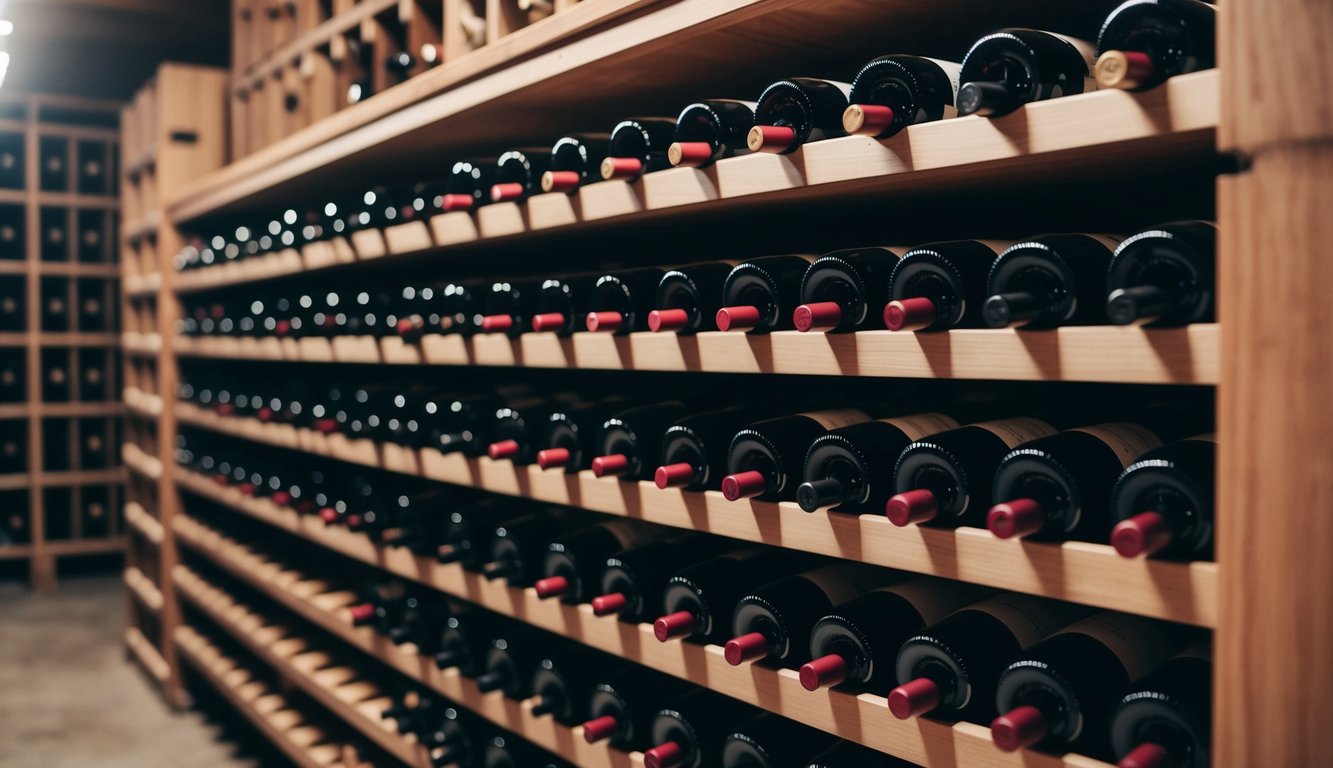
(15, 551)
(63, 268)
(147, 655)
(1126, 354)
(324, 677)
(1078, 572)
(603, 75)
(139, 344)
(139, 462)
(922, 741)
(315, 602)
(61, 339)
(140, 521)
(73, 547)
(59, 479)
(143, 589)
(307, 746)
(142, 403)
(61, 410)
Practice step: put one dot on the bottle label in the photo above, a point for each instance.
(1030, 619)
(952, 70)
(921, 425)
(846, 581)
(1015, 432)
(935, 599)
(1088, 51)
(1128, 441)
(837, 418)
(1140, 644)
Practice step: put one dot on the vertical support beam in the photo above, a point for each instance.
(1274, 679)
(41, 564)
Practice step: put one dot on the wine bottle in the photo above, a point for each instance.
(945, 480)
(563, 682)
(460, 306)
(378, 605)
(1164, 502)
(12, 226)
(569, 437)
(770, 741)
(518, 174)
(517, 429)
(420, 201)
(1049, 281)
(507, 750)
(699, 599)
(798, 110)
(13, 311)
(464, 641)
(838, 289)
(694, 449)
(1145, 42)
(572, 566)
(412, 709)
(773, 622)
(508, 308)
(621, 301)
(639, 145)
(519, 545)
(92, 168)
(95, 514)
(1166, 719)
(418, 312)
(562, 305)
(576, 160)
(710, 130)
(940, 286)
(629, 441)
(765, 459)
(11, 160)
(14, 521)
(760, 295)
(1012, 67)
(92, 238)
(14, 450)
(465, 424)
(13, 384)
(53, 154)
(623, 703)
(359, 91)
(55, 376)
(464, 535)
(1057, 487)
(93, 378)
(895, 91)
(94, 447)
(511, 660)
(843, 468)
(1059, 693)
(688, 732)
(950, 667)
(468, 185)
(689, 297)
(1164, 276)
(631, 581)
(451, 738)
(400, 65)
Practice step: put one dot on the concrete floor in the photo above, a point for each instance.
(69, 697)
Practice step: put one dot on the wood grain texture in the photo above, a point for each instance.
(1074, 571)
(1274, 531)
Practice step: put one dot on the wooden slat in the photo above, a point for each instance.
(139, 462)
(143, 589)
(147, 655)
(144, 523)
(1075, 571)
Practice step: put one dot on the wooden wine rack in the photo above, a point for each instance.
(173, 131)
(1269, 596)
(48, 494)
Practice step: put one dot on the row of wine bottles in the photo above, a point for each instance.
(1142, 483)
(1141, 44)
(57, 378)
(92, 515)
(94, 446)
(93, 163)
(1162, 276)
(955, 651)
(94, 242)
(89, 310)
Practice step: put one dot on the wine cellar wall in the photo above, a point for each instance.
(60, 477)
(550, 408)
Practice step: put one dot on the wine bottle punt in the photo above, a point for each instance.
(840, 290)
(1164, 502)
(940, 286)
(1048, 281)
(892, 92)
(760, 295)
(851, 468)
(1145, 42)
(689, 297)
(1012, 67)
(638, 145)
(1164, 276)
(710, 130)
(798, 110)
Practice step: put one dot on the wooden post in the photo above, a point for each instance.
(1274, 680)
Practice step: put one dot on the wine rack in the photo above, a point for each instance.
(58, 209)
(1264, 151)
(173, 130)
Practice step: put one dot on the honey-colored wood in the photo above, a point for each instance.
(147, 655)
(143, 589)
(1094, 353)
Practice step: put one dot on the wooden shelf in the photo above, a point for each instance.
(141, 286)
(307, 745)
(15, 552)
(323, 676)
(61, 410)
(47, 339)
(140, 344)
(1092, 353)
(140, 521)
(63, 268)
(922, 741)
(1075, 571)
(315, 602)
(142, 403)
(73, 547)
(147, 655)
(143, 589)
(139, 462)
(61, 479)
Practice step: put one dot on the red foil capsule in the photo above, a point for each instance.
(824, 671)
(497, 323)
(1018, 728)
(744, 485)
(1146, 533)
(909, 314)
(914, 698)
(456, 203)
(867, 119)
(607, 322)
(673, 625)
(771, 138)
(915, 506)
(668, 755)
(1016, 518)
(691, 154)
(621, 167)
(560, 181)
(548, 321)
(819, 316)
(740, 318)
(552, 458)
(615, 464)
(660, 320)
(605, 605)
(553, 586)
(503, 449)
(751, 646)
(674, 475)
(600, 728)
(503, 192)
